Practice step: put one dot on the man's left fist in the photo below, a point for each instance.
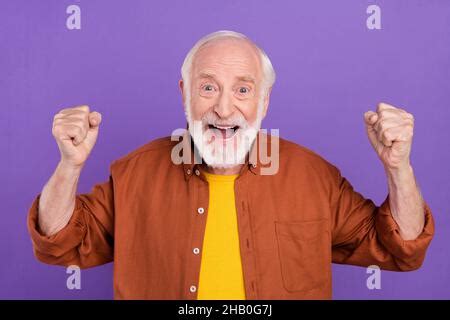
(390, 132)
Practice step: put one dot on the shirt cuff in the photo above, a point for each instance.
(409, 253)
(61, 242)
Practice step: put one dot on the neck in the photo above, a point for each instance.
(223, 171)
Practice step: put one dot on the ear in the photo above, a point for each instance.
(181, 86)
(266, 102)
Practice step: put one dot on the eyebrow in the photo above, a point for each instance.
(207, 75)
(246, 78)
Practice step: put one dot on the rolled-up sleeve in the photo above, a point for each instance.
(409, 254)
(87, 239)
(365, 234)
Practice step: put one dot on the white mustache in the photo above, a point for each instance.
(211, 118)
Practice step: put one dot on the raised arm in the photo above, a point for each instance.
(75, 131)
(390, 131)
(67, 228)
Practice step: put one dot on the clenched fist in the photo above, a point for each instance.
(75, 130)
(390, 132)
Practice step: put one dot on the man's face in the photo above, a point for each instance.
(226, 106)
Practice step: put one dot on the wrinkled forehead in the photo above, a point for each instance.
(236, 57)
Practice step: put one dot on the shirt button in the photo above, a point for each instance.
(197, 172)
(188, 171)
(196, 250)
(193, 289)
(200, 210)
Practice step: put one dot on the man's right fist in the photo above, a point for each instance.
(75, 130)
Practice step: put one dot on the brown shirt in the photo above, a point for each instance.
(151, 214)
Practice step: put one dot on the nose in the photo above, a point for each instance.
(225, 106)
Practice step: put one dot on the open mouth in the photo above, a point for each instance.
(226, 132)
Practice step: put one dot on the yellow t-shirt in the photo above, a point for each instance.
(221, 267)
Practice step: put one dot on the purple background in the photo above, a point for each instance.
(125, 62)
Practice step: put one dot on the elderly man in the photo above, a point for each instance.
(222, 228)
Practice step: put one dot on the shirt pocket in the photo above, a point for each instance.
(305, 254)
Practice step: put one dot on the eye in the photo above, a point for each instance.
(243, 92)
(208, 88)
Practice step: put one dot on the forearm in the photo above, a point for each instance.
(57, 200)
(406, 202)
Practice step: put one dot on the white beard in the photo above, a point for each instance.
(211, 146)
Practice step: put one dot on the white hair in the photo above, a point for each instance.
(267, 68)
